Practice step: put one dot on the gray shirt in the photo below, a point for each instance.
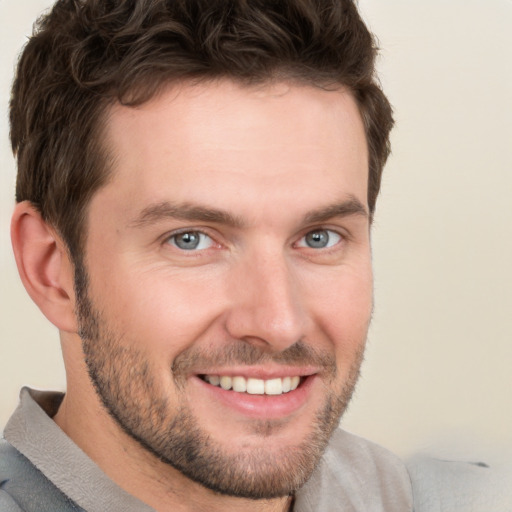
(353, 476)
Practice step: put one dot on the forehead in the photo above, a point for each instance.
(211, 141)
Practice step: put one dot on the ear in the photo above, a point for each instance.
(44, 266)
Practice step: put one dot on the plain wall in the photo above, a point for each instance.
(437, 374)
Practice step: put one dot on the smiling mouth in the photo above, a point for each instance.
(252, 386)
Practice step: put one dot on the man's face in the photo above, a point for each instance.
(229, 279)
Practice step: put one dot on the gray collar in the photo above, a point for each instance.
(33, 433)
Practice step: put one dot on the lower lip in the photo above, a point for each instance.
(260, 406)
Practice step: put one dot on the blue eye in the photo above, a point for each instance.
(191, 241)
(320, 239)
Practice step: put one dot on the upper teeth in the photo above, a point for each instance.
(254, 386)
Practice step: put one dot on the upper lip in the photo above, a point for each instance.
(264, 373)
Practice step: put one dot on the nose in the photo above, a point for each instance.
(266, 303)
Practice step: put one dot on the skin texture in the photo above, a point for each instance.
(254, 171)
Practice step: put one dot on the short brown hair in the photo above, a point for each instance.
(85, 55)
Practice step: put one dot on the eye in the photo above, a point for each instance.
(191, 241)
(320, 239)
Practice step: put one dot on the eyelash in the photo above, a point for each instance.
(198, 232)
(339, 238)
(330, 232)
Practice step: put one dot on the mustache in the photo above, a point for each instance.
(244, 353)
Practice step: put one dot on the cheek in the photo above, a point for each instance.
(344, 311)
(163, 314)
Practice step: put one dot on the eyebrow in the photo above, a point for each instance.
(349, 207)
(185, 211)
(195, 213)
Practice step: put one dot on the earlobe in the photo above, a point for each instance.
(44, 266)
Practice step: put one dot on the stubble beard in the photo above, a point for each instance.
(124, 382)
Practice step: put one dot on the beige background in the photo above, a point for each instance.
(437, 377)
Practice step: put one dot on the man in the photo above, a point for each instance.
(196, 185)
